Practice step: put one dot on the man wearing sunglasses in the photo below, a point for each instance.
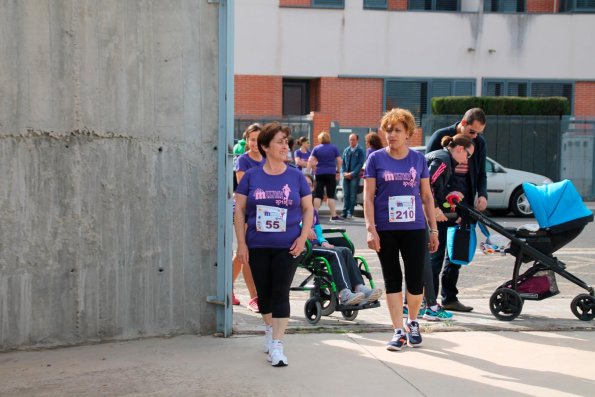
(471, 180)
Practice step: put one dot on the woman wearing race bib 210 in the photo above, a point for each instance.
(397, 202)
(272, 200)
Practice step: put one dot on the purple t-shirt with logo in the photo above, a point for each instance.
(271, 192)
(245, 162)
(302, 155)
(326, 154)
(397, 202)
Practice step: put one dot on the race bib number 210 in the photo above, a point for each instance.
(401, 209)
(271, 219)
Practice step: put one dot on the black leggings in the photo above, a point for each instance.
(413, 246)
(273, 270)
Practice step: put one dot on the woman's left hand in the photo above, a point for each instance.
(433, 243)
(298, 246)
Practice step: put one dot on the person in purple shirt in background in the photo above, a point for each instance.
(373, 143)
(272, 201)
(302, 154)
(397, 204)
(251, 158)
(326, 159)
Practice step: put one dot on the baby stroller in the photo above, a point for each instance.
(562, 215)
(324, 297)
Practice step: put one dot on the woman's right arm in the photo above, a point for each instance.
(438, 186)
(369, 192)
(239, 175)
(239, 224)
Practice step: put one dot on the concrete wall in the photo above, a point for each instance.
(313, 42)
(108, 129)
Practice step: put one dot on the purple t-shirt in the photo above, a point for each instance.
(397, 201)
(245, 162)
(325, 154)
(302, 155)
(273, 202)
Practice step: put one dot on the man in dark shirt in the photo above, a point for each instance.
(469, 179)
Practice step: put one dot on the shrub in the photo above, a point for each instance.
(500, 105)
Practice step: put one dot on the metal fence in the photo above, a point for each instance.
(300, 125)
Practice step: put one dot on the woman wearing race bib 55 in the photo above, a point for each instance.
(273, 200)
(397, 195)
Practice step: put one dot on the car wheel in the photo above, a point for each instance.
(519, 204)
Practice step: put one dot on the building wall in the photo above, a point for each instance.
(108, 125)
(258, 95)
(310, 42)
(584, 98)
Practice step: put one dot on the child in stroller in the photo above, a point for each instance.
(562, 215)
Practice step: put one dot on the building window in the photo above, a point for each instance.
(296, 97)
(577, 6)
(416, 95)
(328, 3)
(504, 6)
(528, 88)
(376, 4)
(435, 5)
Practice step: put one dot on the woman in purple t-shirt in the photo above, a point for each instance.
(251, 158)
(397, 203)
(326, 160)
(272, 201)
(303, 153)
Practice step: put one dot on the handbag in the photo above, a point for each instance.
(461, 241)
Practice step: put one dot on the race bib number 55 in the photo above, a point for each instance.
(401, 209)
(271, 219)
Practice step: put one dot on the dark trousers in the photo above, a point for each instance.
(440, 263)
(273, 270)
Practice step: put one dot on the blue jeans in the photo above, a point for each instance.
(350, 187)
(450, 271)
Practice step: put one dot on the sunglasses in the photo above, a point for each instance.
(468, 154)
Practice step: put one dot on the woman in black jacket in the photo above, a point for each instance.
(455, 153)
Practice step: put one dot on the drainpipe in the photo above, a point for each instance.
(224, 161)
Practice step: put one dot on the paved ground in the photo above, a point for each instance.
(546, 351)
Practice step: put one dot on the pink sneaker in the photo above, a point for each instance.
(235, 301)
(253, 305)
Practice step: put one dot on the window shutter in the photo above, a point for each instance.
(328, 3)
(494, 89)
(379, 4)
(441, 88)
(464, 88)
(410, 95)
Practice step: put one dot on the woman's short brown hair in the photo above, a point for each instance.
(267, 134)
(395, 115)
(373, 140)
(324, 137)
(250, 129)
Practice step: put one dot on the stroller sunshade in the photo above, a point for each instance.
(556, 203)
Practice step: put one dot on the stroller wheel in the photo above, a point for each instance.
(582, 307)
(313, 310)
(328, 300)
(506, 304)
(349, 315)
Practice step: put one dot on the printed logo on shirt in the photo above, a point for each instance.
(281, 197)
(408, 178)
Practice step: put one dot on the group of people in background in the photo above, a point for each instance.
(279, 192)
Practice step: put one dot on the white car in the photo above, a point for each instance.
(505, 191)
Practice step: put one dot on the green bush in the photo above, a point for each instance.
(501, 105)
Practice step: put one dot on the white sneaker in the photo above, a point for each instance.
(276, 356)
(372, 295)
(346, 297)
(268, 338)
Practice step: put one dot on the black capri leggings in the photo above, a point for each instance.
(325, 180)
(273, 270)
(413, 245)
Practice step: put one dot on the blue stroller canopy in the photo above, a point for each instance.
(555, 203)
